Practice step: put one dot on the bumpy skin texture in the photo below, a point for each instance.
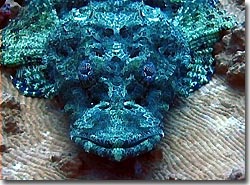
(116, 65)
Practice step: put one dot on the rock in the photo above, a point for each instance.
(55, 158)
(230, 56)
(3, 148)
(72, 168)
(235, 40)
(240, 2)
(218, 48)
(236, 174)
(10, 102)
(236, 72)
(11, 126)
(2, 2)
(223, 62)
(14, 8)
(8, 10)
(20, 2)
(0, 45)
(239, 57)
(10, 110)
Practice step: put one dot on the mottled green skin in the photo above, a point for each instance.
(139, 59)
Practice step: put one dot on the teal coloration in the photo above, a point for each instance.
(116, 65)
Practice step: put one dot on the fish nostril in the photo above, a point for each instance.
(104, 105)
(129, 105)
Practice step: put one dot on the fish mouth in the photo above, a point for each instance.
(115, 133)
(118, 150)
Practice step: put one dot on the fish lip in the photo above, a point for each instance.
(111, 153)
(124, 144)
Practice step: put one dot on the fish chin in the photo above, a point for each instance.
(117, 134)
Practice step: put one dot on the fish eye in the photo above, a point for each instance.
(148, 73)
(86, 73)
